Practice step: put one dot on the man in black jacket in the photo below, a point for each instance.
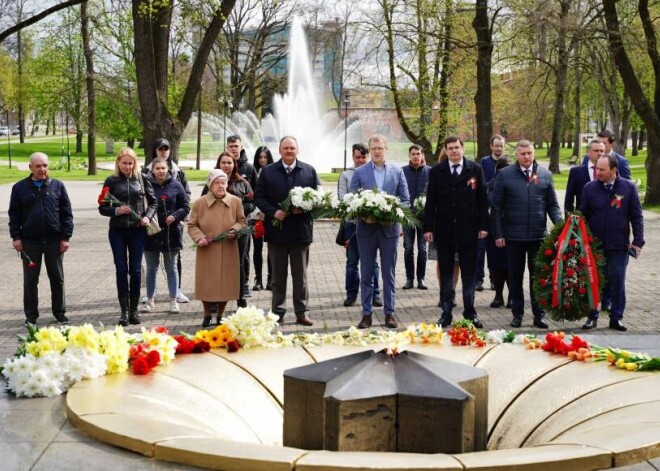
(290, 242)
(247, 171)
(41, 224)
(523, 198)
(456, 217)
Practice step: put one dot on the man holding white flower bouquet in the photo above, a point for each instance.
(373, 235)
(456, 217)
(291, 235)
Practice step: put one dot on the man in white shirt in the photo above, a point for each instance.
(582, 174)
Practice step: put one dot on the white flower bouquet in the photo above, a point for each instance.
(315, 201)
(419, 204)
(376, 207)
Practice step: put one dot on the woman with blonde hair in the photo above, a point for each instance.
(130, 205)
(217, 273)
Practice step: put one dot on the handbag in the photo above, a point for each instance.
(153, 227)
(339, 239)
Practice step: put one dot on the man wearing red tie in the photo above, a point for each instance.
(581, 175)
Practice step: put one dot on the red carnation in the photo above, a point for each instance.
(163, 197)
(161, 329)
(153, 358)
(183, 345)
(32, 264)
(104, 193)
(583, 290)
(570, 272)
(544, 282)
(564, 257)
(548, 252)
(232, 346)
(141, 366)
(572, 242)
(201, 346)
(583, 260)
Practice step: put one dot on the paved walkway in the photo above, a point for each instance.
(34, 434)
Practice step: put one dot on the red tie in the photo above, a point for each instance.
(595, 177)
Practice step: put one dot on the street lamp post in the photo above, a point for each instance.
(8, 138)
(228, 108)
(347, 99)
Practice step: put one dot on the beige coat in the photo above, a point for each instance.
(217, 264)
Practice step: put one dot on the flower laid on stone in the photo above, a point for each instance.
(555, 342)
(314, 201)
(218, 337)
(376, 207)
(419, 204)
(464, 333)
(568, 273)
(626, 360)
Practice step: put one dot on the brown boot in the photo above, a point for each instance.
(365, 323)
(390, 321)
(302, 319)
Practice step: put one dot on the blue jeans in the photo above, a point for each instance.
(517, 253)
(616, 264)
(409, 236)
(353, 265)
(127, 246)
(171, 272)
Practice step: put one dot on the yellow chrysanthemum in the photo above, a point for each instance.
(84, 336)
(50, 339)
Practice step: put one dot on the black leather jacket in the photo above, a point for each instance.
(130, 191)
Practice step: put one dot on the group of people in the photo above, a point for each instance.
(496, 207)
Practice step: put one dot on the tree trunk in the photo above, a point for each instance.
(642, 138)
(577, 145)
(482, 98)
(130, 142)
(625, 125)
(91, 94)
(648, 113)
(635, 137)
(79, 139)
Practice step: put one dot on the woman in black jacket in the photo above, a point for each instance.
(262, 157)
(240, 187)
(130, 205)
(173, 207)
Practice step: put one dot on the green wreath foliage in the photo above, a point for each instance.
(575, 299)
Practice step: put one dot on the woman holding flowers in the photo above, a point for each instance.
(238, 186)
(217, 264)
(172, 209)
(129, 201)
(262, 157)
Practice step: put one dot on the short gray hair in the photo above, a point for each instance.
(36, 155)
(524, 143)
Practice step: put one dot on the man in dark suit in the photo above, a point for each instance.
(611, 207)
(290, 242)
(456, 217)
(581, 175)
(523, 198)
(607, 138)
(373, 238)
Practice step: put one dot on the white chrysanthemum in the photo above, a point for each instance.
(496, 336)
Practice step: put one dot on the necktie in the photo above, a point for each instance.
(527, 175)
(454, 171)
(594, 173)
(289, 170)
(609, 186)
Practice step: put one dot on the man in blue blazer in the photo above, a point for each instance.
(377, 237)
(582, 174)
(289, 243)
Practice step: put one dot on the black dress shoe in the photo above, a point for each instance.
(365, 323)
(241, 303)
(349, 302)
(206, 322)
(617, 325)
(421, 285)
(390, 321)
(479, 286)
(445, 320)
(497, 302)
(516, 322)
(377, 302)
(477, 323)
(590, 324)
(540, 322)
(257, 286)
(408, 285)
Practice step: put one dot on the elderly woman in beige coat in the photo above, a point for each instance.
(217, 264)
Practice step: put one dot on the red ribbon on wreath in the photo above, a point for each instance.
(592, 272)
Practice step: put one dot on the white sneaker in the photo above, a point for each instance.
(182, 298)
(174, 307)
(148, 306)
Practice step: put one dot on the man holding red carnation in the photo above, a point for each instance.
(611, 207)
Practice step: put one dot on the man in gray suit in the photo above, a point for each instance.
(377, 237)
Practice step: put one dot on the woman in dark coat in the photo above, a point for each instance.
(173, 207)
(497, 257)
(134, 205)
(262, 157)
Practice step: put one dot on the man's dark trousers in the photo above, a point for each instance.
(53, 258)
(518, 252)
(467, 260)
